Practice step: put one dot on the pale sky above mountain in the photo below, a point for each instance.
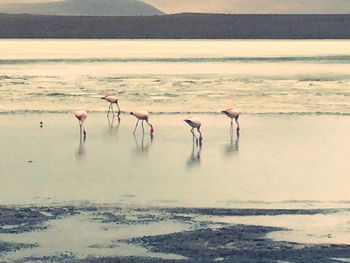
(253, 6)
(240, 6)
(25, 1)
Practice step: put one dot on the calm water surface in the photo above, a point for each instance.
(278, 161)
(294, 158)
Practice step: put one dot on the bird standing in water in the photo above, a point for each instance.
(81, 116)
(142, 116)
(112, 100)
(233, 114)
(195, 123)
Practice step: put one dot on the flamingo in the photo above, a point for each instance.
(195, 123)
(81, 116)
(232, 114)
(111, 100)
(142, 116)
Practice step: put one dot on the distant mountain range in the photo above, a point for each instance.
(83, 8)
(153, 7)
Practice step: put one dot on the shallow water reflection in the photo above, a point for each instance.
(232, 147)
(195, 157)
(112, 122)
(142, 145)
(271, 166)
(81, 152)
(113, 128)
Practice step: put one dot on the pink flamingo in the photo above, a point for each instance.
(142, 116)
(111, 100)
(195, 123)
(81, 116)
(233, 114)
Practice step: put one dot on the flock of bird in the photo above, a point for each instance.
(194, 123)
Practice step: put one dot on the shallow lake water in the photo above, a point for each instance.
(278, 161)
(293, 150)
(84, 235)
(254, 76)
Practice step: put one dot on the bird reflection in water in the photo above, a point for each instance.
(112, 122)
(81, 152)
(233, 146)
(143, 145)
(195, 156)
(81, 117)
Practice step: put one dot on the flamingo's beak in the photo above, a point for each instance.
(131, 113)
(102, 98)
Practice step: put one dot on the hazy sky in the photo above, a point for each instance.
(240, 6)
(252, 6)
(24, 1)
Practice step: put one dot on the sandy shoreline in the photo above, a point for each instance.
(176, 235)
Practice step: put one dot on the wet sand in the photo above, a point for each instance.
(109, 234)
(278, 192)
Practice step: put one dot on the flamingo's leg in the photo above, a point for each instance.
(238, 128)
(136, 125)
(109, 109)
(194, 136)
(193, 132)
(143, 129)
(112, 110)
(200, 136)
(118, 108)
(80, 133)
(84, 131)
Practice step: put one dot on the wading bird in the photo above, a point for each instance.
(81, 116)
(111, 100)
(233, 114)
(142, 116)
(195, 123)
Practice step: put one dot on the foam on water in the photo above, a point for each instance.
(172, 94)
(304, 77)
(305, 59)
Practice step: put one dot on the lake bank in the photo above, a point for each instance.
(177, 26)
(111, 234)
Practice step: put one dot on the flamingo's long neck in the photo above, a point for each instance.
(118, 107)
(238, 128)
(151, 126)
(200, 135)
(152, 129)
(84, 132)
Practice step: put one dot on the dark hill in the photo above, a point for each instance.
(84, 7)
(186, 26)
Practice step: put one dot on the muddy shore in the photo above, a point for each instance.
(202, 241)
